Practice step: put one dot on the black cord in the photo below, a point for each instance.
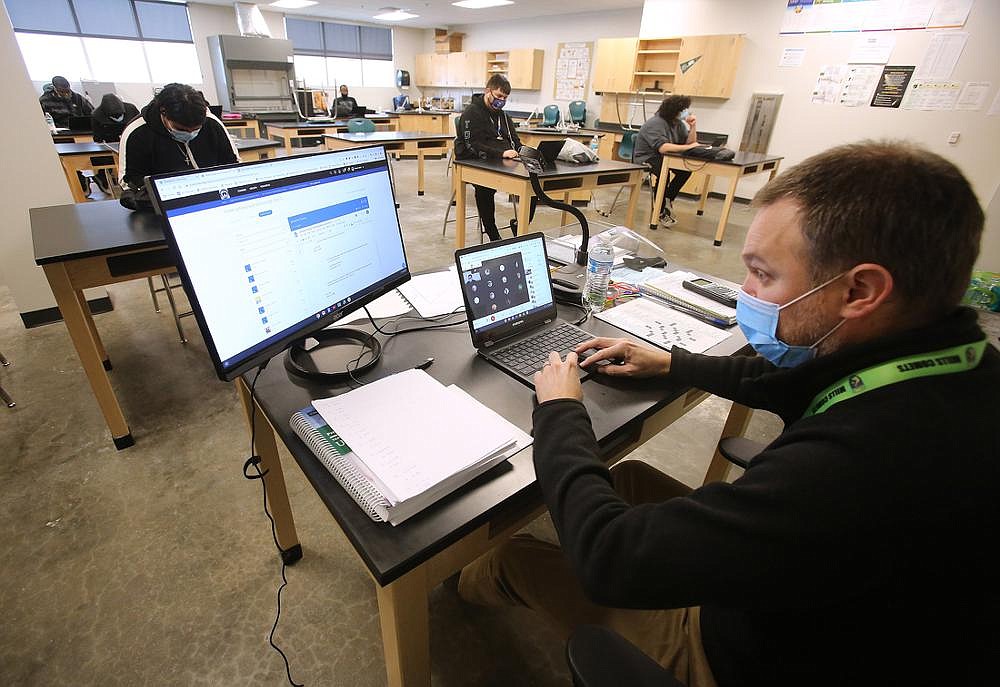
(254, 462)
(397, 331)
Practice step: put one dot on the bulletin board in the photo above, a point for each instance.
(573, 70)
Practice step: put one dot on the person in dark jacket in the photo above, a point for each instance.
(110, 118)
(62, 102)
(486, 132)
(173, 133)
(344, 105)
(852, 549)
(673, 129)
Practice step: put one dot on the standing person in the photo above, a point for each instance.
(671, 130)
(62, 102)
(486, 132)
(110, 118)
(851, 551)
(344, 105)
(173, 133)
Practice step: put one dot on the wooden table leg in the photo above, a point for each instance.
(70, 169)
(661, 190)
(288, 142)
(524, 208)
(420, 171)
(633, 199)
(736, 425)
(706, 187)
(85, 307)
(459, 206)
(726, 206)
(72, 305)
(274, 479)
(402, 609)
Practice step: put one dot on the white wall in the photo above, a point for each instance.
(545, 33)
(803, 128)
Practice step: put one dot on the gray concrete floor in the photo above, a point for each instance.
(155, 565)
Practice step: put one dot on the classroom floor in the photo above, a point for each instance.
(155, 565)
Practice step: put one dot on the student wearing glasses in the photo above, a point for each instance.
(62, 102)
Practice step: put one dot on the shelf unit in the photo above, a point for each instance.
(498, 62)
(656, 64)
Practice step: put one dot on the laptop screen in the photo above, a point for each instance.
(505, 284)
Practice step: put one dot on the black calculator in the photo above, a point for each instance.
(710, 289)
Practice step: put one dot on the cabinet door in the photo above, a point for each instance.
(525, 68)
(716, 60)
(456, 69)
(439, 69)
(475, 69)
(615, 65)
(422, 73)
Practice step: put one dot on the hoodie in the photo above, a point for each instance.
(484, 133)
(106, 129)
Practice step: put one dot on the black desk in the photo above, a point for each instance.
(510, 176)
(408, 561)
(72, 136)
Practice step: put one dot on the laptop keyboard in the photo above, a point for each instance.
(527, 356)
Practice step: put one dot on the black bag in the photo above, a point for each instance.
(710, 153)
(136, 199)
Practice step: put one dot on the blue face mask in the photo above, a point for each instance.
(759, 321)
(498, 103)
(183, 136)
(685, 113)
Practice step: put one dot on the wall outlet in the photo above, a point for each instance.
(954, 136)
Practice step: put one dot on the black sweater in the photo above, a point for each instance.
(856, 549)
(484, 134)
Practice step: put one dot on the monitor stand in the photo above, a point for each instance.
(333, 355)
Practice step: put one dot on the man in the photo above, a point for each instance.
(345, 105)
(852, 550)
(486, 132)
(673, 129)
(110, 118)
(62, 102)
(173, 133)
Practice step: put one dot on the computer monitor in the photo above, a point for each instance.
(270, 252)
(80, 123)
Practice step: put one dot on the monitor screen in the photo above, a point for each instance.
(272, 251)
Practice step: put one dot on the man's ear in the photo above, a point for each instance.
(869, 286)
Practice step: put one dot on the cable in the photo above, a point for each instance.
(397, 331)
(254, 462)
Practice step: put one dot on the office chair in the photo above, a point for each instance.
(599, 657)
(550, 115)
(3, 394)
(359, 125)
(578, 112)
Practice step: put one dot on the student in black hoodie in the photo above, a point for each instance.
(486, 132)
(111, 117)
(174, 133)
(62, 102)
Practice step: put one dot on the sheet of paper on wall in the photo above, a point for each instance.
(857, 87)
(798, 16)
(827, 88)
(872, 48)
(792, 57)
(881, 15)
(949, 14)
(435, 293)
(932, 95)
(914, 14)
(995, 106)
(663, 326)
(973, 96)
(941, 55)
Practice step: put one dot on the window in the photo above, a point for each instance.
(328, 54)
(150, 20)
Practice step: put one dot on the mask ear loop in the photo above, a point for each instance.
(813, 290)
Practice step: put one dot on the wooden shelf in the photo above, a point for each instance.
(658, 52)
(655, 73)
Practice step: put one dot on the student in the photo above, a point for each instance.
(671, 130)
(62, 102)
(851, 551)
(173, 133)
(486, 132)
(110, 118)
(345, 105)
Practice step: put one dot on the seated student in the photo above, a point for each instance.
(851, 551)
(345, 105)
(486, 132)
(110, 118)
(670, 130)
(173, 133)
(62, 102)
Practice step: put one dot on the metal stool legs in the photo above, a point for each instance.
(173, 308)
(3, 394)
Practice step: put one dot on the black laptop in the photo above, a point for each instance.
(80, 123)
(510, 305)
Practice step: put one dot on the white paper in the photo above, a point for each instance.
(931, 95)
(797, 18)
(950, 13)
(792, 57)
(857, 87)
(662, 326)
(973, 96)
(872, 48)
(435, 293)
(914, 14)
(827, 89)
(995, 106)
(388, 305)
(881, 15)
(942, 55)
(673, 283)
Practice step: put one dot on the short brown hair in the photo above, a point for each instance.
(672, 106)
(498, 82)
(890, 203)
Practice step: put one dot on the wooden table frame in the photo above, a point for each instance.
(251, 125)
(77, 162)
(731, 170)
(286, 135)
(521, 187)
(434, 144)
(403, 603)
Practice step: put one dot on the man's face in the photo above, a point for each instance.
(778, 270)
(64, 93)
(343, 91)
(177, 126)
(493, 95)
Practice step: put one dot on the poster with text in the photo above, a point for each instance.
(892, 85)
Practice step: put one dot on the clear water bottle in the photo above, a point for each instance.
(594, 144)
(600, 258)
(49, 122)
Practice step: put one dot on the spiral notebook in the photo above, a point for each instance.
(669, 288)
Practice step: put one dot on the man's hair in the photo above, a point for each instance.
(60, 83)
(182, 104)
(672, 106)
(498, 82)
(890, 203)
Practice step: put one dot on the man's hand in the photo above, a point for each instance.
(628, 359)
(691, 121)
(689, 146)
(558, 379)
(509, 154)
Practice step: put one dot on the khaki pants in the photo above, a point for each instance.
(526, 571)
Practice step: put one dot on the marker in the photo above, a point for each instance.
(424, 365)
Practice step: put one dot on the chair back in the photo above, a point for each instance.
(627, 147)
(360, 125)
(578, 112)
(550, 115)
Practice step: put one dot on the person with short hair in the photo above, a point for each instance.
(852, 550)
(173, 133)
(673, 129)
(344, 105)
(62, 102)
(486, 132)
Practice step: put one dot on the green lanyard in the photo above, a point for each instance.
(943, 362)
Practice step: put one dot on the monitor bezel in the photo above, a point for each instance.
(249, 362)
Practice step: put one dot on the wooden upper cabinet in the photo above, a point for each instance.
(713, 70)
(456, 69)
(475, 70)
(525, 68)
(423, 75)
(615, 65)
(439, 69)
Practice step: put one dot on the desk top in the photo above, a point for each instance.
(80, 230)
(70, 132)
(426, 111)
(391, 136)
(323, 125)
(546, 131)
(563, 169)
(741, 159)
(92, 148)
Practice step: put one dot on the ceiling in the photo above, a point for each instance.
(440, 13)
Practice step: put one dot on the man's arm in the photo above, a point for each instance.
(135, 158)
(478, 141)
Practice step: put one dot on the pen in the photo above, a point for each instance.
(424, 365)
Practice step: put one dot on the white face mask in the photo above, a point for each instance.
(118, 118)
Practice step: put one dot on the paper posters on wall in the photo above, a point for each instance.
(797, 16)
(942, 55)
(872, 48)
(932, 95)
(995, 107)
(827, 88)
(892, 85)
(881, 15)
(949, 14)
(914, 14)
(973, 96)
(572, 71)
(792, 57)
(857, 86)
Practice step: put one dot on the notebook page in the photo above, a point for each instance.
(412, 432)
(672, 283)
(663, 326)
(433, 294)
